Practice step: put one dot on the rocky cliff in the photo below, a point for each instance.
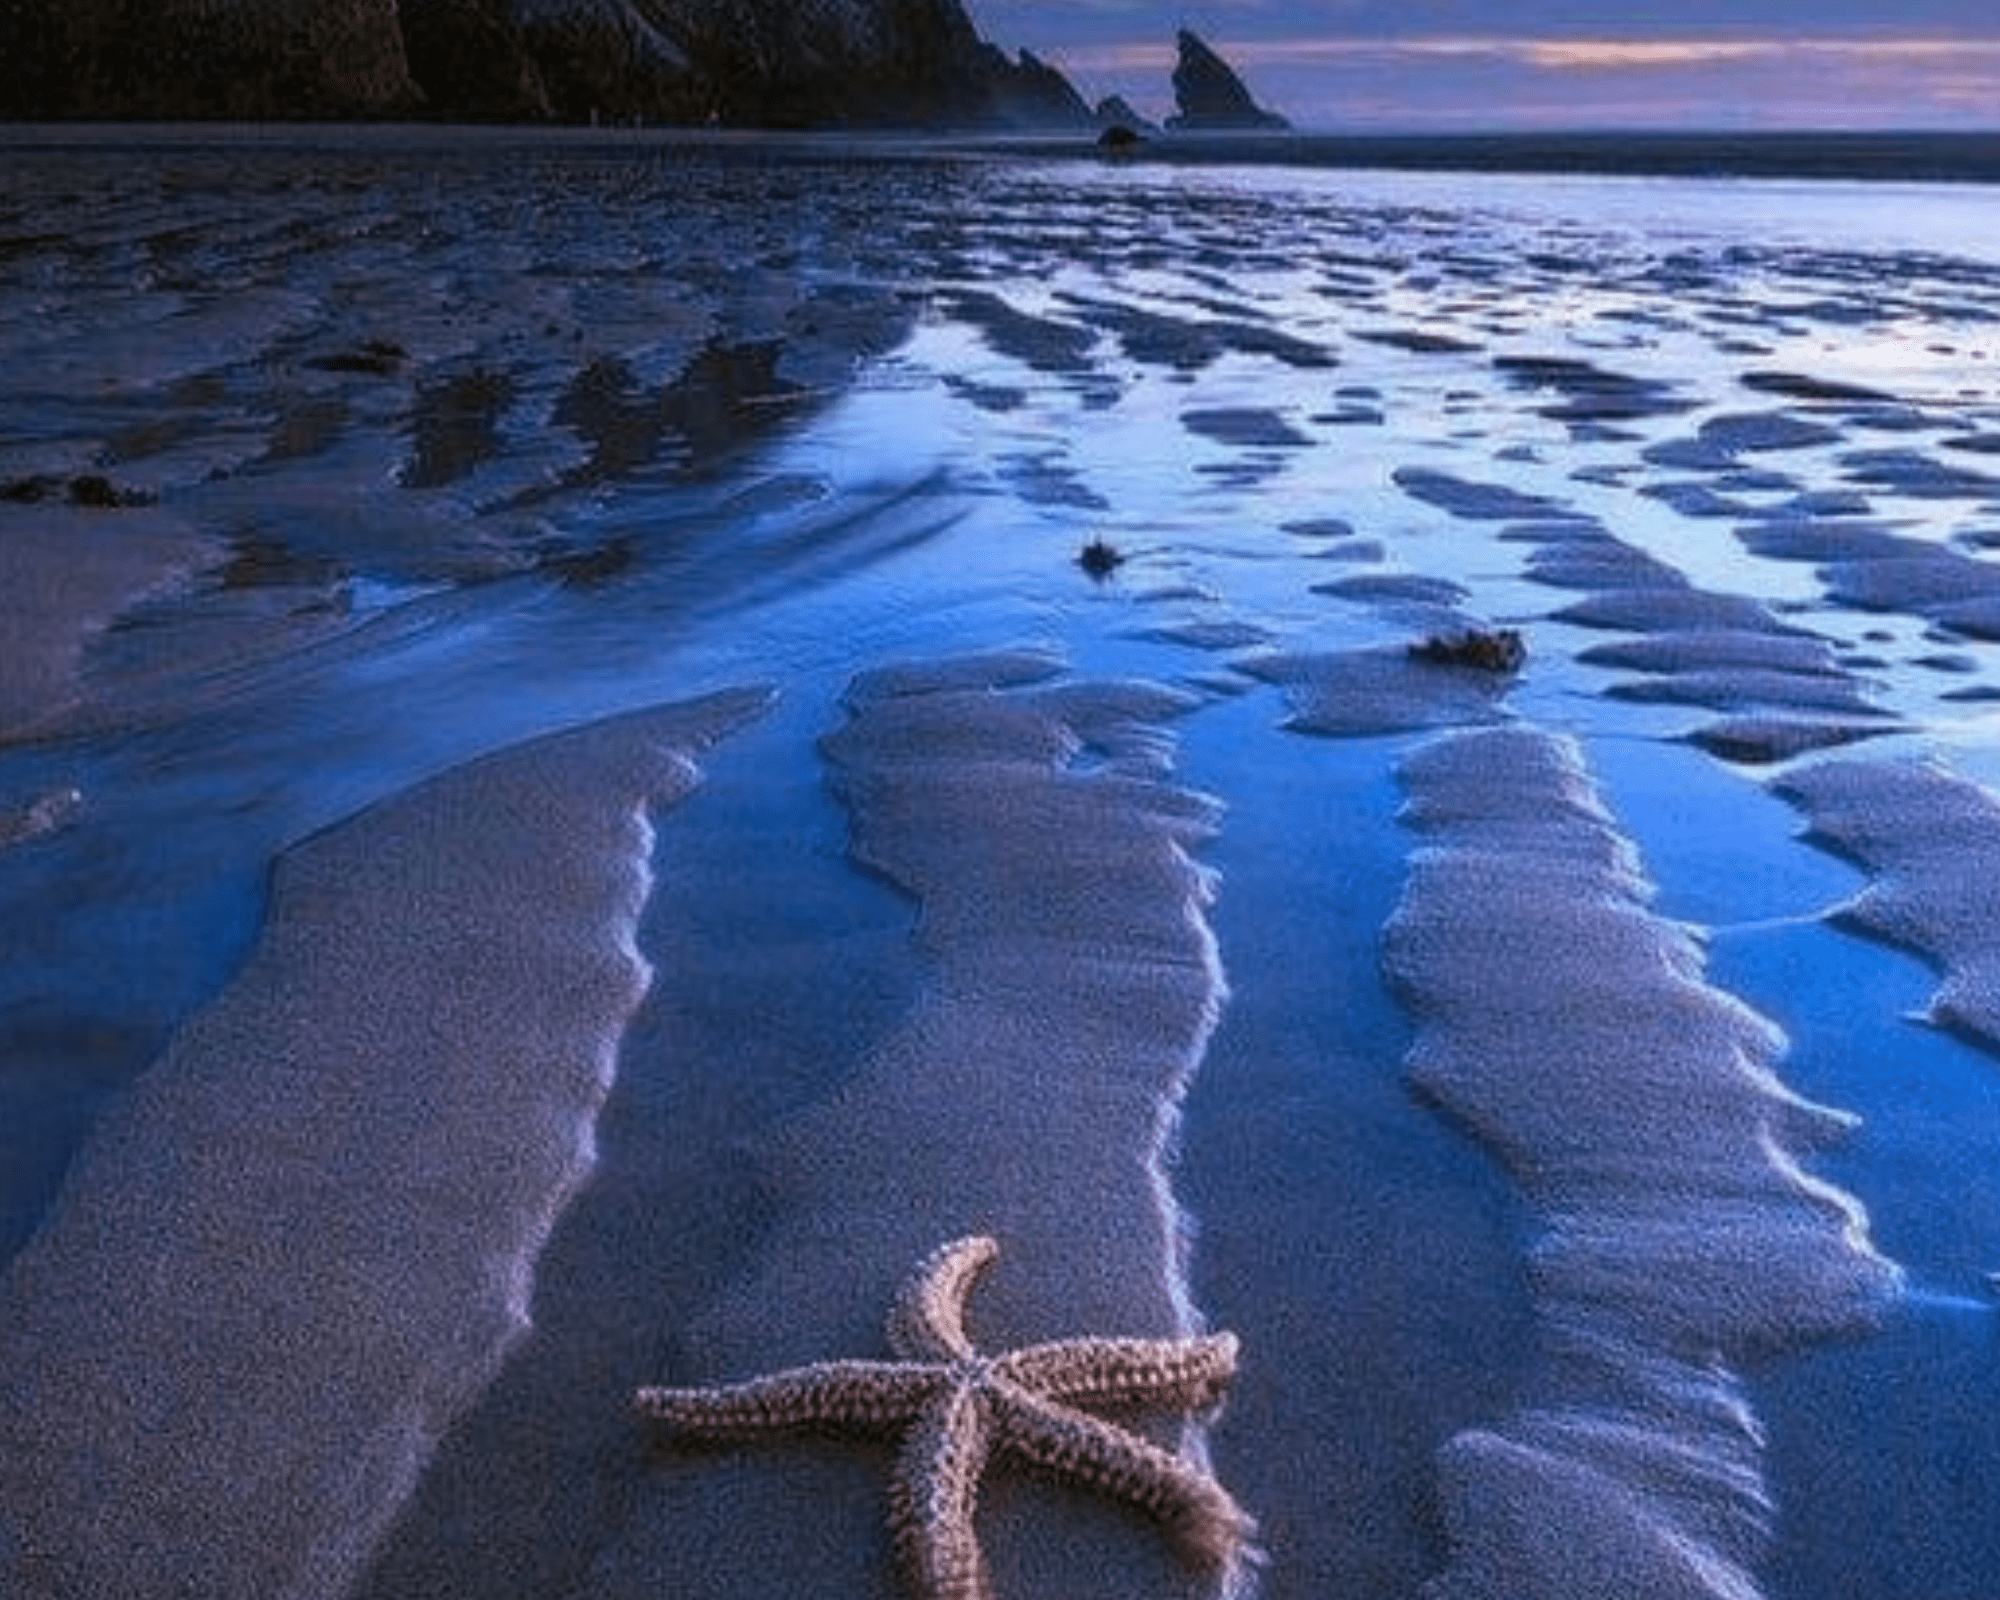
(745, 63)
(217, 58)
(1211, 96)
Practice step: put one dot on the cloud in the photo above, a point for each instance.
(1612, 55)
(1550, 55)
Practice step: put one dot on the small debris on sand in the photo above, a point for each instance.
(1100, 558)
(1498, 650)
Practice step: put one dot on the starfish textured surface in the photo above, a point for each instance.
(956, 1409)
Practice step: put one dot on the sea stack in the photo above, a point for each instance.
(1212, 98)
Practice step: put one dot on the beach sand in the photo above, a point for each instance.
(308, 1240)
(67, 573)
(580, 815)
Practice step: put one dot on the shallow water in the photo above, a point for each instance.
(1338, 1224)
(448, 441)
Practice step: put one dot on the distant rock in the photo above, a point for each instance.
(734, 63)
(295, 59)
(1212, 98)
(609, 59)
(737, 63)
(1115, 112)
(1029, 93)
(469, 60)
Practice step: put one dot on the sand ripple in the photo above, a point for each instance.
(1070, 983)
(1635, 1105)
(301, 1248)
(1933, 842)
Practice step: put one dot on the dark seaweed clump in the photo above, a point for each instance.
(1500, 650)
(377, 358)
(1100, 558)
(92, 491)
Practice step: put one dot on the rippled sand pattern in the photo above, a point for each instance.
(570, 805)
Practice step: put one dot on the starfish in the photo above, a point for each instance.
(955, 1409)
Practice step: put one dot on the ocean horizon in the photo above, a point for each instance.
(1884, 155)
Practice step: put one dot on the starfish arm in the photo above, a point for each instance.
(928, 1322)
(932, 1497)
(1175, 1374)
(871, 1395)
(1206, 1526)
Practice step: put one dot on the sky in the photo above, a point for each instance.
(1468, 65)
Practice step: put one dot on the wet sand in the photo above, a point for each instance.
(1640, 1112)
(66, 574)
(441, 999)
(276, 1276)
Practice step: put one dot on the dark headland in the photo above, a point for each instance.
(739, 64)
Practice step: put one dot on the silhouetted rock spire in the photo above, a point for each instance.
(1211, 96)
